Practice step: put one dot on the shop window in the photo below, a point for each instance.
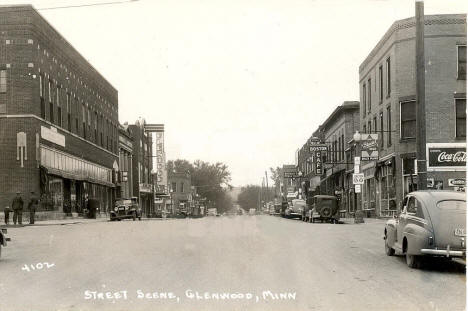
(460, 111)
(408, 119)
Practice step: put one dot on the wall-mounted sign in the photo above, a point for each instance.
(446, 156)
(52, 136)
(457, 182)
(357, 188)
(369, 151)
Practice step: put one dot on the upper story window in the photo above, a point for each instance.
(381, 130)
(41, 86)
(174, 187)
(380, 84)
(182, 187)
(389, 126)
(408, 119)
(364, 104)
(3, 81)
(461, 62)
(389, 83)
(50, 91)
(369, 92)
(460, 112)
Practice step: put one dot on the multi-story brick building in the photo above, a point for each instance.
(125, 180)
(142, 167)
(387, 81)
(58, 118)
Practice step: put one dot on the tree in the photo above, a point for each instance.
(276, 175)
(248, 197)
(210, 180)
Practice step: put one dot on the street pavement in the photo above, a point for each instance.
(247, 262)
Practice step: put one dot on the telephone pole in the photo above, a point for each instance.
(420, 98)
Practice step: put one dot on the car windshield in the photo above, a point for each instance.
(452, 205)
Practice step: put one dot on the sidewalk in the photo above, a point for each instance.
(67, 221)
(366, 220)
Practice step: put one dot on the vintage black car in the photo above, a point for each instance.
(431, 223)
(3, 239)
(323, 208)
(126, 208)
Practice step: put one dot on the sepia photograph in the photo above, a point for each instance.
(301, 155)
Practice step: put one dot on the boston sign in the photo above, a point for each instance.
(446, 157)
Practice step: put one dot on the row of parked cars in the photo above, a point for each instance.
(323, 208)
(430, 223)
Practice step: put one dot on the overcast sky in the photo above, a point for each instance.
(241, 82)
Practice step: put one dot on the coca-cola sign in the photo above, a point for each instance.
(446, 156)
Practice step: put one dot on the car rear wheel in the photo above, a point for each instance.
(412, 261)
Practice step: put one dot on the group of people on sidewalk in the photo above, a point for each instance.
(17, 207)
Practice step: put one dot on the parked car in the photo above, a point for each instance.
(323, 208)
(252, 212)
(126, 208)
(3, 239)
(295, 208)
(431, 223)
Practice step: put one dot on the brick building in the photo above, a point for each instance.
(333, 177)
(58, 118)
(388, 107)
(180, 189)
(142, 167)
(125, 180)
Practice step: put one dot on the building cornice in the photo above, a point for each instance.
(446, 19)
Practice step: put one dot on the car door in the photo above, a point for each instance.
(402, 220)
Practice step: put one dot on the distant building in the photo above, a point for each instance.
(181, 193)
(125, 179)
(58, 119)
(388, 108)
(142, 167)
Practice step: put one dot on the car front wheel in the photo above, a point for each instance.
(388, 250)
(412, 261)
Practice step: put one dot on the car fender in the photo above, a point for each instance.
(417, 238)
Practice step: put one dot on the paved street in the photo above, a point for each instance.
(314, 266)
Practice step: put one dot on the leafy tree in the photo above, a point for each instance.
(211, 180)
(249, 197)
(276, 174)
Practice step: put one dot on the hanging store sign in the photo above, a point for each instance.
(446, 156)
(315, 148)
(318, 163)
(370, 150)
(290, 174)
(357, 188)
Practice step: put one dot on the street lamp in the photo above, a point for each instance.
(358, 216)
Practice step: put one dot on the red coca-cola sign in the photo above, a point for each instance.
(446, 157)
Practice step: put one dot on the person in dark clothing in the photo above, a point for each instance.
(17, 206)
(7, 214)
(32, 206)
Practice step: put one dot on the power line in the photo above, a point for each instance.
(66, 6)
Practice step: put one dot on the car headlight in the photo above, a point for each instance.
(116, 209)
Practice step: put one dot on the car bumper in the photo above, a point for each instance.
(443, 252)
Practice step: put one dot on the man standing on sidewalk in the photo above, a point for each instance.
(32, 206)
(17, 206)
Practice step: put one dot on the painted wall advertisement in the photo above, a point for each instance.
(446, 156)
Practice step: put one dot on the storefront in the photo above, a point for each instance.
(446, 166)
(66, 181)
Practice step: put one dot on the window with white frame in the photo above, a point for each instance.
(408, 119)
(460, 114)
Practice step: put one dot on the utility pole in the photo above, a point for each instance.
(420, 98)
